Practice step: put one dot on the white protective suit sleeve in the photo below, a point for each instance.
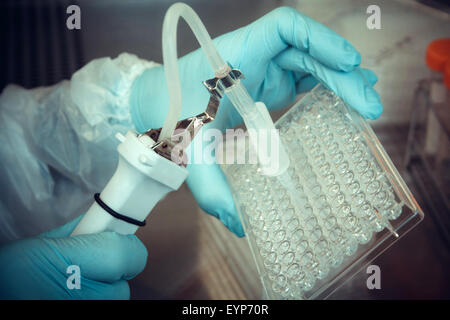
(58, 146)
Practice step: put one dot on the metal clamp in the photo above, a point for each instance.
(191, 126)
(217, 86)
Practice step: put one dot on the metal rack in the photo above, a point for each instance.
(431, 173)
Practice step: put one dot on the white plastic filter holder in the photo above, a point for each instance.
(142, 179)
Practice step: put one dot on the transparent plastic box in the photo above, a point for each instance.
(340, 204)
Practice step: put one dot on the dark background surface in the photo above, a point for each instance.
(38, 49)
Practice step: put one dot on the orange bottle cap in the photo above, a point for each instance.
(438, 52)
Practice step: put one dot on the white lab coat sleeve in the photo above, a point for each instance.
(57, 145)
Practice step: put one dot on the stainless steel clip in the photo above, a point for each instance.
(185, 131)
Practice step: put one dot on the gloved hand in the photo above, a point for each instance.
(36, 268)
(281, 55)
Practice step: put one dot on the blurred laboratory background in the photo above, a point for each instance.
(191, 255)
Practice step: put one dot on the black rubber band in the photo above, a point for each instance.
(115, 214)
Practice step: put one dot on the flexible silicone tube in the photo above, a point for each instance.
(169, 44)
(256, 118)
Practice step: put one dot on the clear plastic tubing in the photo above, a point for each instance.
(255, 115)
(169, 44)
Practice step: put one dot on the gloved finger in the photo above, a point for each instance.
(106, 256)
(278, 88)
(210, 188)
(370, 76)
(286, 26)
(352, 87)
(119, 290)
(95, 290)
(306, 83)
(63, 231)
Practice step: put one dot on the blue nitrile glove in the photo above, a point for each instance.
(36, 268)
(281, 55)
